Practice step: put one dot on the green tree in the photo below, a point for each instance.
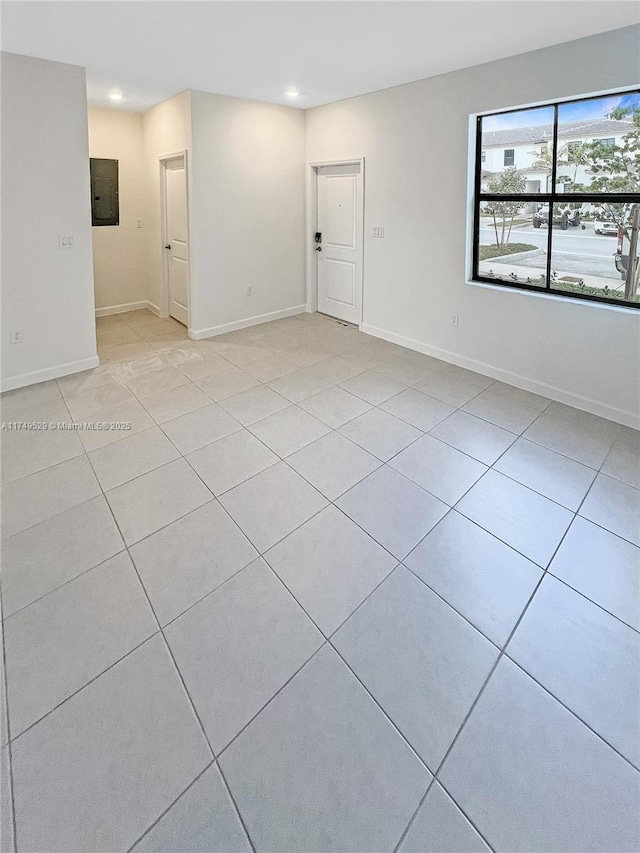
(574, 156)
(568, 155)
(509, 182)
(616, 169)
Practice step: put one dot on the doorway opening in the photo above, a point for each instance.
(335, 269)
(129, 211)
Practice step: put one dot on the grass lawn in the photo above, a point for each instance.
(494, 251)
(576, 287)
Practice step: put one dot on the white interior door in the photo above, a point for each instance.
(339, 252)
(176, 237)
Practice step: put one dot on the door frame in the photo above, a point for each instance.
(311, 224)
(163, 159)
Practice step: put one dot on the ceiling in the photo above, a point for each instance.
(329, 51)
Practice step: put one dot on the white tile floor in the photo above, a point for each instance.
(325, 594)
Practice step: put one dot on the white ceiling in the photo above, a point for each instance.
(328, 50)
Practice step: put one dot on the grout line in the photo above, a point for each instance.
(370, 452)
(55, 514)
(491, 672)
(170, 806)
(83, 686)
(4, 711)
(181, 455)
(504, 542)
(364, 600)
(380, 708)
(502, 652)
(270, 700)
(500, 656)
(237, 810)
(40, 470)
(586, 597)
(416, 812)
(471, 710)
(211, 591)
(155, 616)
(464, 618)
(434, 783)
(570, 710)
(284, 459)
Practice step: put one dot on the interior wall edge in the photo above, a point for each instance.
(121, 309)
(35, 376)
(526, 383)
(198, 334)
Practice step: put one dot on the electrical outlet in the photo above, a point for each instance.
(249, 291)
(67, 241)
(17, 336)
(454, 320)
(378, 231)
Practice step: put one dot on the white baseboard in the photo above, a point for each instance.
(198, 334)
(587, 404)
(49, 373)
(153, 307)
(127, 306)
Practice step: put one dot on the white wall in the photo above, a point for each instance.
(166, 129)
(119, 251)
(46, 291)
(247, 210)
(415, 140)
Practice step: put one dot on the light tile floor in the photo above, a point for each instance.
(325, 594)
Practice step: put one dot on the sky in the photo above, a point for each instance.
(594, 108)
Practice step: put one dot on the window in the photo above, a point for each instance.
(484, 157)
(572, 236)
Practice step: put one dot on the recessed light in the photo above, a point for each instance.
(115, 96)
(292, 92)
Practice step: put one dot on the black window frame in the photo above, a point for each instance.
(551, 198)
(512, 158)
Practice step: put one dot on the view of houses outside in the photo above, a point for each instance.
(598, 151)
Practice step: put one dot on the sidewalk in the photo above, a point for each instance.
(524, 272)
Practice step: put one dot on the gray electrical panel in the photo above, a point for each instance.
(105, 209)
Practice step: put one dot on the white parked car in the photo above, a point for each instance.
(605, 226)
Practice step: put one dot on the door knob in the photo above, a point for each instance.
(168, 246)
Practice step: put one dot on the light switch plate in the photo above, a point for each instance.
(378, 231)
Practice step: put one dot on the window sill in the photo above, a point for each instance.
(517, 291)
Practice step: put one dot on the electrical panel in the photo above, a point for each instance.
(105, 209)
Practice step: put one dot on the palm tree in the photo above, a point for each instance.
(544, 161)
(576, 155)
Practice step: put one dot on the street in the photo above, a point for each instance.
(585, 243)
(575, 251)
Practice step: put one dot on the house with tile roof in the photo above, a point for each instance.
(526, 149)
